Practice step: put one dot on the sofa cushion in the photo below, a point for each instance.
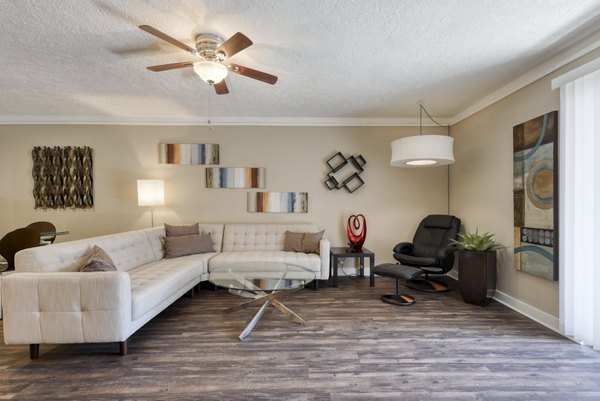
(311, 261)
(156, 238)
(97, 261)
(260, 237)
(187, 245)
(156, 281)
(179, 231)
(128, 250)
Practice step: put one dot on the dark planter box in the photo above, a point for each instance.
(477, 276)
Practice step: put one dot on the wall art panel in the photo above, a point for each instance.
(62, 177)
(189, 153)
(235, 177)
(277, 202)
(535, 192)
(344, 172)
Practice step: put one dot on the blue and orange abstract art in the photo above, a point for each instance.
(189, 153)
(535, 189)
(277, 202)
(235, 177)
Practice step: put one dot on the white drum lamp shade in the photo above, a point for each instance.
(151, 193)
(422, 151)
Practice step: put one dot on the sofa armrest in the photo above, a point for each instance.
(324, 247)
(62, 308)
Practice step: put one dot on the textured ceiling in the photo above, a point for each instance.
(86, 59)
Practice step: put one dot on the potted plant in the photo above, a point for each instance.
(477, 267)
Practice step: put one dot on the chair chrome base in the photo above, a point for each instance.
(427, 285)
(398, 299)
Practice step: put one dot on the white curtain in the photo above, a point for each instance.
(579, 207)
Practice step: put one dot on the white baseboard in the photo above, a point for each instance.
(523, 308)
(529, 311)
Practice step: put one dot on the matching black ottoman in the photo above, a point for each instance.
(399, 272)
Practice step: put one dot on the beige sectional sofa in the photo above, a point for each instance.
(48, 301)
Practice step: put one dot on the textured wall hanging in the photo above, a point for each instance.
(278, 202)
(235, 177)
(535, 187)
(345, 172)
(62, 177)
(189, 153)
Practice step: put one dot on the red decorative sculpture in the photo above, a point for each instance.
(357, 232)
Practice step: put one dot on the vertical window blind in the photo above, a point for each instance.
(579, 204)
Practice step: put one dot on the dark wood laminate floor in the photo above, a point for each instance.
(353, 347)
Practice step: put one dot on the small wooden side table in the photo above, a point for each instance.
(337, 253)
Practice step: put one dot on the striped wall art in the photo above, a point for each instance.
(189, 153)
(277, 202)
(235, 177)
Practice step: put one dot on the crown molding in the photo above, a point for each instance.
(205, 121)
(585, 46)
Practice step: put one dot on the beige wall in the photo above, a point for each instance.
(481, 181)
(393, 199)
(482, 184)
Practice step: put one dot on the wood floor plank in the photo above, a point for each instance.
(352, 347)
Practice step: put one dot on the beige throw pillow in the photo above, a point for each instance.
(178, 231)
(293, 241)
(302, 242)
(97, 261)
(187, 245)
(310, 243)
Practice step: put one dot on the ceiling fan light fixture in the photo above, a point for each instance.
(211, 72)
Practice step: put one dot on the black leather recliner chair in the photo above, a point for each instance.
(430, 251)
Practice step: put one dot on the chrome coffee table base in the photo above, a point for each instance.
(261, 283)
(268, 299)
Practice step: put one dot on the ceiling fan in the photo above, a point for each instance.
(214, 53)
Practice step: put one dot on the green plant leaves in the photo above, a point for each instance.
(476, 242)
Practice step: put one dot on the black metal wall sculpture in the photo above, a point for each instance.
(62, 177)
(345, 172)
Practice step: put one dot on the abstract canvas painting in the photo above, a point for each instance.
(235, 177)
(189, 153)
(535, 191)
(278, 202)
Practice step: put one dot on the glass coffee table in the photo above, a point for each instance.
(263, 283)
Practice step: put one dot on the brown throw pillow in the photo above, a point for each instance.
(293, 241)
(187, 245)
(97, 261)
(178, 231)
(302, 242)
(310, 243)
